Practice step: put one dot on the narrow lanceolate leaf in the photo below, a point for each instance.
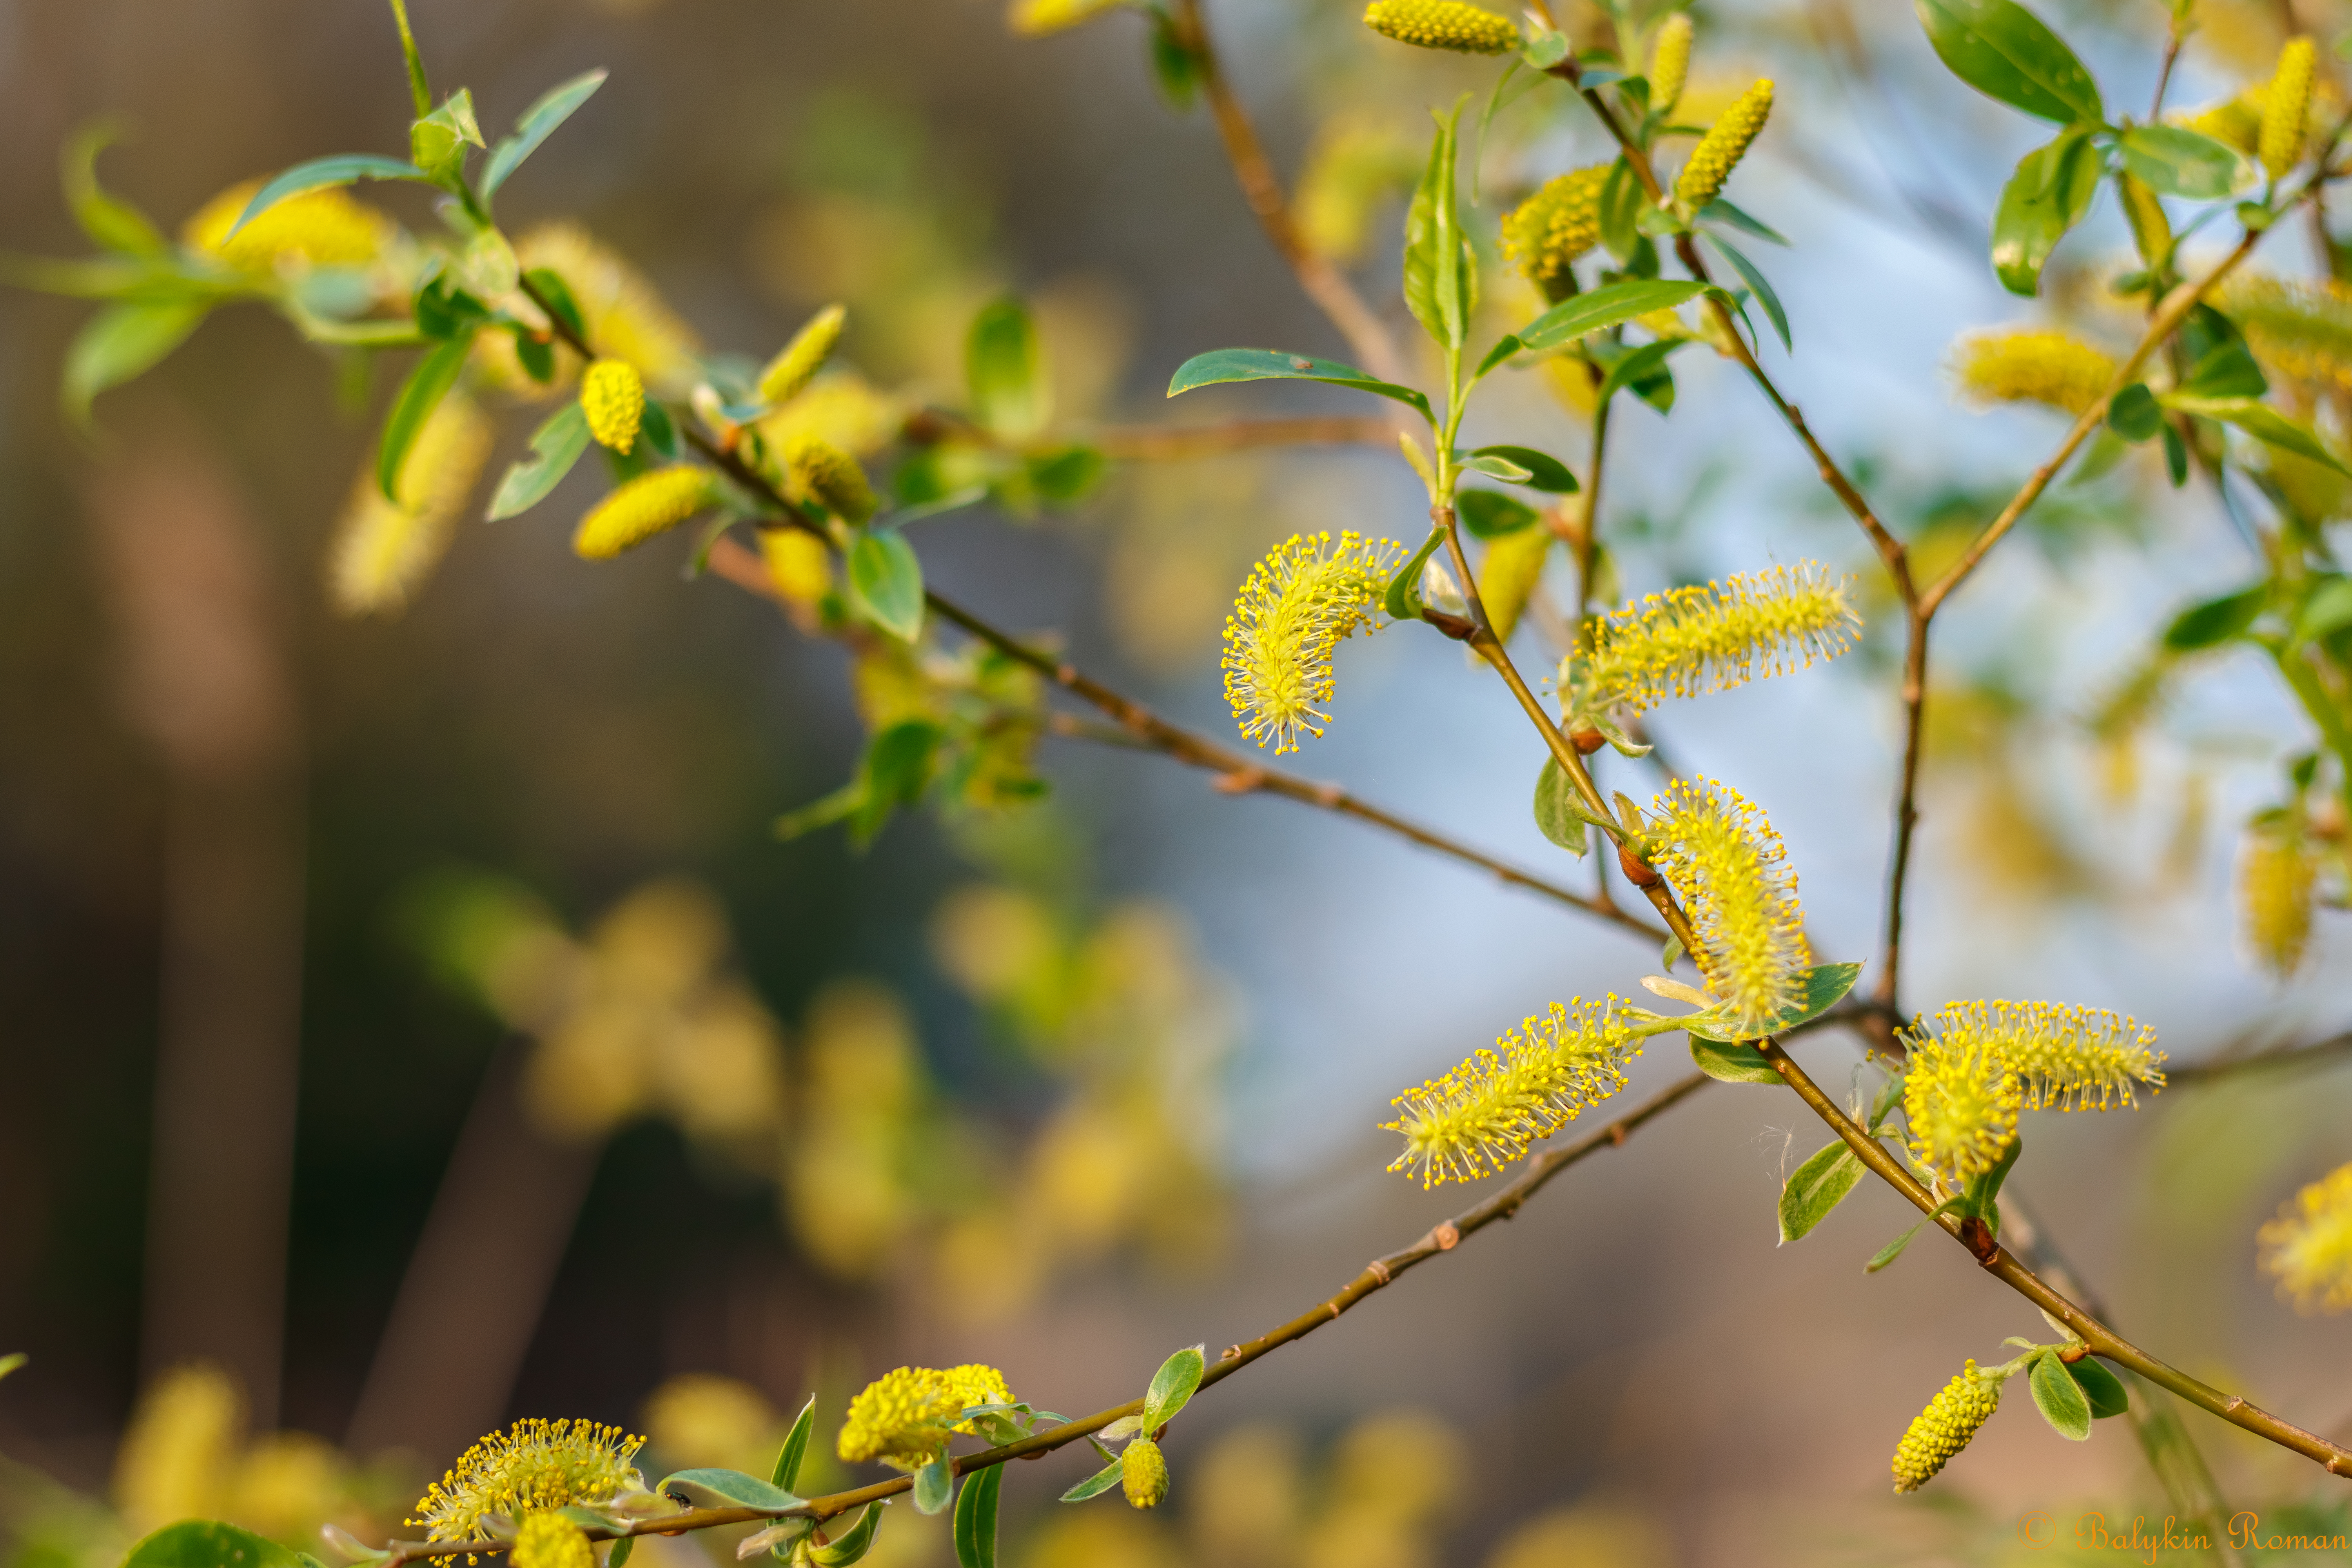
(555, 447)
(430, 382)
(976, 1520)
(2004, 51)
(1758, 285)
(1437, 281)
(787, 1471)
(2060, 1398)
(726, 1488)
(2216, 621)
(885, 581)
(108, 219)
(1102, 1481)
(2047, 195)
(2175, 160)
(2260, 421)
(849, 1548)
(1893, 1249)
(1816, 1187)
(119, 342)
(1556, 813)
(321, 174)
(1172, 1385)
(1221, 365)
(1605, 308)
(537, 124)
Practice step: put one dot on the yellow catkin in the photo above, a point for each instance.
(2152, 230)
(1443, 25)
(384, 550)
(1489, 1110)
(319, 228)
(1143, 1473)
(1944, 1428)
(799, 565)
(2278, 879)
(1358, 160)
(797, 363)
(2062, 1057)
(532, 1466)
(2286, 105)
(2308, 1248)
(1688, 642)
(551, 1541)
(2300, 328)
(2055, 368)
(649, 505)
(1670, 62)
(904, 1418)
(1035, 18)
(1508, 573)
(613, 396)
(1719, 151)
(1961, 1103)
(1292, 612)
(818, 473)
(1543, 236)
(1729, 864)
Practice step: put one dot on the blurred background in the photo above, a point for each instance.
(412, 1021)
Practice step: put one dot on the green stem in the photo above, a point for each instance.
(418, 87)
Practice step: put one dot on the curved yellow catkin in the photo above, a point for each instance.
(2308, 1248)
(904, 1418)
(797, 363)
(2278, 879)
(1508, 573)
(532, 1466)
(1143, 1473)
(2286, 105)
(1291, 615)
(2062, 1057)
(649, 505)
(2056, 369)
(817, 472)
(1729, 864)
(1725, 143)
(1944, 1428)
(1688, 642)
(384, 550)
(1961, 1103)
(2152, 230)
(1543, 236)
(613, 398)
(1670, 62)
(321, 228)
(1443, 25)
(1489, 1110)
(551, 1541)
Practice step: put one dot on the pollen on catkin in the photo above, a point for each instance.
(1670, 62)
(2055, 368)
(1143, 1473)
(1443, 25)
(1724, 857)
(613, 398)
(384, 550)
(2063, 1058)
(1543, 236)
(2308, 1248)
(1961, 1101)
(2278, 879)
(1492, 1109)
(532, 1466)
(1719, 151)
(1508, 575)
(904, 1418)
(820, 473)
(321, 228)
(1293, 610)
(2286, 105)
(1944, 1428)
(797, 363)
(551, 1541)
(649, 505)
(1688, 642)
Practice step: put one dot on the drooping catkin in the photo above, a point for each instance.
(2052, 368)
(2286, 105)
(2064, 1057)
(384, 550)
(1508, 575)
(1945, 1426)
(649, 505)
(1688, 642)
(613, 396)
(1720, 150)
(817, 472)
(1298, 604)
(1729, 864)
(1670, 62)
(1443, 25)
(1492, 1109)
(2308, 1248)
(319, 228)
(797, 363)
(2278, 879)
(1543, 236)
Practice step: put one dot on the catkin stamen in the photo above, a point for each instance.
(1689, 641)
(1296, 606)
(1945, 1426)
(1492, 1109)
(2308, 1248)
(1723, 855)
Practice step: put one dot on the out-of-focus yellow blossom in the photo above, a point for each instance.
(1358, 160)
(613, 396)
(840, 407)
(1035, 18)
(319, 228)
(2286, 107)
(2056, 369)
(2308, 1248)
(800, 566)
(698, 1420)
(1588, 1535)
(2278, 881)
(817, 472)
(626, 316)
(643, 508)
(551, 1541)
(797, 363)
(1670, 62)
(2299, 327)
(848, 1194)
(179, 1458)
(1508, 575)
(384, 550)
(1103, 1538)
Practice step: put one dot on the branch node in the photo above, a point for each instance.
(1241, 780)
(1329, 795)
(1379, 1270)
(1617, 1135)
(1448, 1237)
(1230, 1353)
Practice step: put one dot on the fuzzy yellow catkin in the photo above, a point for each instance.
(1298, 604)
(1725, 858)
(1688, 642)
(2278, 879)
(1356, 162)
(904, 1418)
(321, 228)
(1489, 1110)
(1443, 25)
(551, 1541)
(1543, 236)
(384, 550)
(2152, 230)
(1670, 62)
(1035, 18)
(1143, 1473)
(820, 473)
(2052, 368)
(799, 565)
(2308, 1248)
(2062, 1057)
(613, 396)
(797, 363)
(1945, 1426)
(1508, 573)
(532, 1466)
(2286, 105)
(649, 505)
(1719, 151)
(1960, 1102)
(2300, 328)
(625, 315)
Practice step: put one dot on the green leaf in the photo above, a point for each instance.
(1221, 365)
(1545, 472)
(320, 174)
(1893, 1249)
(1671, 954)
(109, 220)
(437, 142)
(2101, 1389)
(2134, 413)
(557, 294)
(2060, 1398)
(1556, 813)
(2047, 195)
(728, 1488)
(430, 382)
(10, 1363)
(2260, 421)
(2178, 161)
(2221, 364)
(1436, 286)
(555, 447)
(934, 1485)
(1401, 598)
(1634, 370)
(207, 1544)
(659, 433)
(1004, 371)
(1490, 514)
(1980, 1197)
(886, 581)
(537, 124)
(1102, 1481)
(623, 1550)
(1721, 211)
(1757, 284)
(119, 342)
(1173, 1386)
(1815, 1187)
(1066, 474)
(976, 1520)
(1731, 1063)
(2216, 621)
(896, 769)
(1604, 307)
(2005, 52)
(849, 1548)
(2327, 612)
(1623, 202)
(1825, 986)
(1493, 467)
(840, 805)
(1175, 68)
(787, 1471)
